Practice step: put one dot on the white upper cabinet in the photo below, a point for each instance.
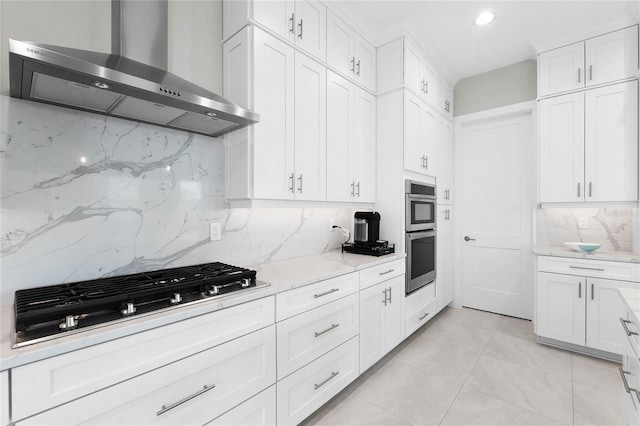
(589, 145)
(604, 59)
(302, 22)
(350, 141)
(420, 135)
(444, 153)
(350, 54)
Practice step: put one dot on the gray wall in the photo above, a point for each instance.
(504, 86)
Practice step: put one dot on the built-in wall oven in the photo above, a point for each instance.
(420, 236)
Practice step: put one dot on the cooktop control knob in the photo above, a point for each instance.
(130, 309)
(175, 299)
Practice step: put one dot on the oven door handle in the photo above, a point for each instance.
(420, 234)
(421, 197)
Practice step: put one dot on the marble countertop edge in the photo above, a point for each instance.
(609, 255)
(281, 275)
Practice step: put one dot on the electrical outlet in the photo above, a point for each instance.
(215, 231)
(583, 222)
(332, 223)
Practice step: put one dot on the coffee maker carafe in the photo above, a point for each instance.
(366, 227)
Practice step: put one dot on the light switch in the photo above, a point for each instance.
(215, 231)
(583, 222)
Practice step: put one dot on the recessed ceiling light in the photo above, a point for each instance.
(485, 18)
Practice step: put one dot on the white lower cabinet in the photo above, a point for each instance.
(306, 390)
(4, 398)
(419, 307)
(381, 322)
(259, 410)
(194, 390)
(581, 309)
(444, 257)
(630, 370)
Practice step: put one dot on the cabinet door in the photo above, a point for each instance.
(444, 154)
(259, 410)
(428, 76)
(612, 56)
(393, 328)
(365, 63)
(604, 310)
(339, 45)
(444, 98)
(4, 398)
(412, 64)
(364, 145)
(611, 143)
(310, 129)
(413, 153)
(372, 304)
(311, 27)
(340, 183)
(273, 160)
(561, 307)
(560, 70)
(562, 148)
(277, 15)
(428, 137)
(444, 258)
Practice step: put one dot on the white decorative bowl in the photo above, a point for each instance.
(583, 247)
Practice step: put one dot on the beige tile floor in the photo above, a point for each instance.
(468, 367)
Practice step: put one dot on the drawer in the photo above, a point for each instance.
(294, 302)
(231, 373)
(309, 388)
(420, 316)
(419, 298)
(260, 410)
(305, 337)
(377, 274)
(4, 398)
(54, 381)
(590, 268)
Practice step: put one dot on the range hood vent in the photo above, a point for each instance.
(131, 83)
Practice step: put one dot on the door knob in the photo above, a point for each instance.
(466, 238)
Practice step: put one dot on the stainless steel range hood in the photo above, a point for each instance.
(131, 83)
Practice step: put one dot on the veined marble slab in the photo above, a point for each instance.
(600, 254)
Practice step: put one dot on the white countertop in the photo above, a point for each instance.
(282, 276)
(631, 297)
(600, 254)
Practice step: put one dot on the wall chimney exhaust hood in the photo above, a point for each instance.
(130, 83)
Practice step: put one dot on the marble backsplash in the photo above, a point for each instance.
(84, 196)
(613, 228)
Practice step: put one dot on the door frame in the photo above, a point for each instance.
(459, 122)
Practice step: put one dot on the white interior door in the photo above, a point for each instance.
(497, 203)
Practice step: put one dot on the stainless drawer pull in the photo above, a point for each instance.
(423, 317)
(387, 272)
(320, 333)
(385, 297)
(579, 290)
(626, 384)
(166, 408)
(588, 269)
(591, 291)
(624, 323)
(333, 290)
(322, 383)
(389, 295)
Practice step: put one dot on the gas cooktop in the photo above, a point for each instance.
(48, 312)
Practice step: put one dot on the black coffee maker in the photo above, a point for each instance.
(366, 236)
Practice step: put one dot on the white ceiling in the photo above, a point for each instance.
(445, 29)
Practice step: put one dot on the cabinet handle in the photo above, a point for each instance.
(589, 189)
(580, 290)
(624, 323)
(300, 183)
(300, 30)
(353, 190)
(333, 290)
(291, 24)
(166, 408)
(426, 162)
(448, 214)
(579, 71)
(578, 189)
(358, 66)
(389, 295)
(322, 383)
(385, 297)
(291, 187)
(592, 296)
(320, 333)
(423, 317)
(590, 72)
(386, 272)
(588, 269)
(358, 189)
(426, 87)
(626, 384)
(353, 64)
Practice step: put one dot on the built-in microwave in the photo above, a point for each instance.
(420, 206)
